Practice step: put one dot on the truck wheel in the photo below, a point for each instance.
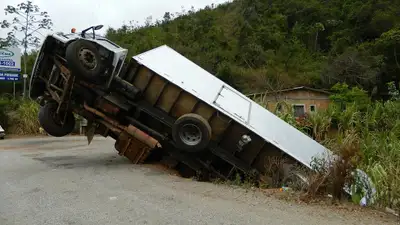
(191, 132)
(84, 60)
(50, 122)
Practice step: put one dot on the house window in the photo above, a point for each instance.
(299, 110)
(312, 108)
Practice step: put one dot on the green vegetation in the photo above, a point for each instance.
(365, 133)
(19, 116)
(256, 45)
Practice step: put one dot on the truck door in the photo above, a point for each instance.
(233, 104)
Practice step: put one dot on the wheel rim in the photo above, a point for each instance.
(87, 58)
(190, 134)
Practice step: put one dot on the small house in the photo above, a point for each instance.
(302, 100)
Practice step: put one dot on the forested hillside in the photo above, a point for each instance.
(269, 44)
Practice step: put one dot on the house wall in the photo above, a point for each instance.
(306, 97)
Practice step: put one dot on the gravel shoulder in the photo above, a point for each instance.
(64, 181)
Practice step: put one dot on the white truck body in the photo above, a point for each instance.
(190, 77)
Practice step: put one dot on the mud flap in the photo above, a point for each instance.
(132, 148)
(91, 129)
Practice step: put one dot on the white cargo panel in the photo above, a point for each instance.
(241, 107)
(195, 80)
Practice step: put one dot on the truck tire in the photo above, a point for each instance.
(52, 125)
(191, 133)
(85, 61)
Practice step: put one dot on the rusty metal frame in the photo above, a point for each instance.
(66, 90)
(132, 130)
(132, 148)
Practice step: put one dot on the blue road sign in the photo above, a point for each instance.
(9, 76)
(10, 59)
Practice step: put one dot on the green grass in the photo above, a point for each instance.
(19, 116)
(366, 137)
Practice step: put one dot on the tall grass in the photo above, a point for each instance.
(19, 116)
(365, 136)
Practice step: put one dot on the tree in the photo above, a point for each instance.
(28, 20)
(251, 44)
(354, 67)
(8, 41)
(389, 45)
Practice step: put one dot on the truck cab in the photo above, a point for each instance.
(88, 56)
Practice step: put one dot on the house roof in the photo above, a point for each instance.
(305, 88)
(295, 89)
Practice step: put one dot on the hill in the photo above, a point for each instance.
(256, 44)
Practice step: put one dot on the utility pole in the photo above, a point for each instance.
(25, 76)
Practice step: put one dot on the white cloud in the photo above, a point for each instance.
(84, 13)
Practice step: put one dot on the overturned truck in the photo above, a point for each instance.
(159, 102)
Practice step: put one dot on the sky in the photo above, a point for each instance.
(80, 14)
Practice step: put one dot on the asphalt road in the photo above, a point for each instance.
(65, 181)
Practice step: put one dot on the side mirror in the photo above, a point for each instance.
(98, 27)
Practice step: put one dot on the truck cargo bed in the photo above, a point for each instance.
(172, 83)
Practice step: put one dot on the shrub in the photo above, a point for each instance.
(3, 112)
(7, 104)
(383, 165)
(366, 137)
(23, 120)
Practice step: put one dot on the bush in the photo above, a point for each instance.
(19, 116)
(365, 135)
(332, 175)
(7, 104)
(3, 112)
(382, 163)
(24, 120)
